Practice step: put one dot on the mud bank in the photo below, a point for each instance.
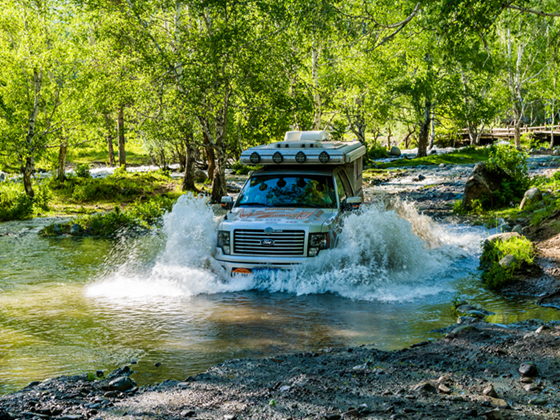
(476, 370)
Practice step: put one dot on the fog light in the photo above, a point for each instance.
(324, 157)
(226, 249)
(313, 252)
(255, 158)
(277, 157)
(300, 157)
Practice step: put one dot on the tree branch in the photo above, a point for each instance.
(535, 12)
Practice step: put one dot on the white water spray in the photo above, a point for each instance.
(387, 252)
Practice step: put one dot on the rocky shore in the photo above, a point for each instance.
(475, 370)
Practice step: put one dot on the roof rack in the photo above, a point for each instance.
(304, 147)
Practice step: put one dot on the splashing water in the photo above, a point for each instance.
(386, 251)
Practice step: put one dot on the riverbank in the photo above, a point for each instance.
(477, 369)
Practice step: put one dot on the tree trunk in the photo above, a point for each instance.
(315, 78)
(28, 170)
(108, 126)
(219, 180)
(188, 178)
(210, 156)
(424, 130)
(61, 170)
(120, 129)
(517, 129)
(432, 130)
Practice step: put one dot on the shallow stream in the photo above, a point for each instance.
(69, 306)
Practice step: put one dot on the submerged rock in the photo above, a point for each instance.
(123, 383)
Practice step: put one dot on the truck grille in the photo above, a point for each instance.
(256, 242)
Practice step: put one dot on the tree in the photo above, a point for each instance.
(37, 69)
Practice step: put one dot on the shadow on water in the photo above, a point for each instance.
(71, 306)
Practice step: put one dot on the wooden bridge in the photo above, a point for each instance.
(542, 132)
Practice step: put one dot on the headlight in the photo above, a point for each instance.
(224, 241)
(317, 241)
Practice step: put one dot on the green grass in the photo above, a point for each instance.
(138, 218)
(467, 156)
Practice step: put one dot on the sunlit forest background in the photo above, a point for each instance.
(195, 82)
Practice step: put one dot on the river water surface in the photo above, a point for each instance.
(69, 306)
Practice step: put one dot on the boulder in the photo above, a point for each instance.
(395, 151)
(200, 176)
(531, 196)
(75, 229)
(489, 391)
(483, 185)
(418, 178)
(123, 383)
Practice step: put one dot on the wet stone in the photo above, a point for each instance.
(533, 388)
(444, 389)
(528, 369)
(188, 413)
(538, 401)
(123, 383)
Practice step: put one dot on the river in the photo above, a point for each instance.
(69, 306)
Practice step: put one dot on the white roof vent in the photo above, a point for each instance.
(306, 135)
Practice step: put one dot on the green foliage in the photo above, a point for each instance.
(494, 275)
(514, 163)
(82, 170)
(376, 151)
(140, 217)
(239, 169)
(14, 203)
(121, 186)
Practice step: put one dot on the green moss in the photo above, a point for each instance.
(494, 275)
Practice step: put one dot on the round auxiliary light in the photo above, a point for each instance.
(255, 158)
(300, 157)
(324, 157)
(277, 157)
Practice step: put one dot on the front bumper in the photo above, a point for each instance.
(233, 262)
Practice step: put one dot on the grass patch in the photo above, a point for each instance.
(380, 175)
(138, 218)
(465, 156)
(16, 205)
(494, 275)
(83, 194)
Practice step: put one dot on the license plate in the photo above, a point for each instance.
(241, 272)
(265, 271)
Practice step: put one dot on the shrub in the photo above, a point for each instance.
(141, 216)
(239, 169)
(82, 171)
(494, 275)
(14, 203)
(514, 163)
(376, 151)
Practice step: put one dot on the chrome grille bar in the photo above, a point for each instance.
(286, 243)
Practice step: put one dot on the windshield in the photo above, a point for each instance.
(316, 191)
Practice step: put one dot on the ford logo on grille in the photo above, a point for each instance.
(267, 242)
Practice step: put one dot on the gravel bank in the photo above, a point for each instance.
(476, 370)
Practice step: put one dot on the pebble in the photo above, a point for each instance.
(528, 369)
(542, 328)
(444, 389)
(188, 413)
(538, 401)
(332, 417)
(533, 388)
(489, 391)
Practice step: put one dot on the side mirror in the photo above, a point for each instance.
(227, 202)
(351, 203)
